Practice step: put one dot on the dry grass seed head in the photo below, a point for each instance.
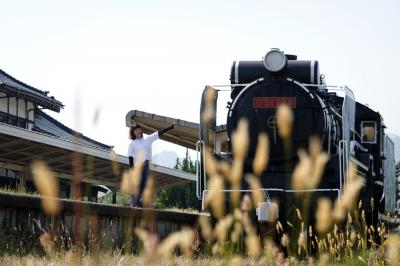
(224, 168)
(318, 169)
(114, 163)
(302, 172)
(339, 211)
(237, 214)
(350, 193)
(215, 196)
(253, 245)
(236, 172)
(246, 205)
(393, 244)
(256, 193)
(262, 154)
(149, 244)
(237, 230)
(187, 243)
(298, 212)
(148, 192)
(310, 168)
(324, 260)
(270, 251)
(240, 139)
(314, 147)
(301, 243)
(236, 261)
(222, 227)
(206, 230)
(323, 215)
(166, 247)
(284, 119)
(211, 164)
(130, 182)
(47, 242)
(209, 111)
(236, 180)
(285, 240)
(349, 218)
(142, 234)
(73, 257)
(184, 239)
(279, 227)
(217, 249)
(247, 224)
(47, 185)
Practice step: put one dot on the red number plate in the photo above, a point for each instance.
(273, 102)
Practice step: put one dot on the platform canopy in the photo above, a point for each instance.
(185, 133)
(19, 147)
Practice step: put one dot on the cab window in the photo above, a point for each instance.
(368, 132)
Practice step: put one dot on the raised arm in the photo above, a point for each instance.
(162, 131)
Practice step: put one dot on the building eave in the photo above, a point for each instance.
(19, 147)
(41, 100)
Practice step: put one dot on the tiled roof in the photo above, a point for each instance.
(48, 125)
(9, 83)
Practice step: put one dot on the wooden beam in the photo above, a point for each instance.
(11, 143)
(60, 158)
(12, 151)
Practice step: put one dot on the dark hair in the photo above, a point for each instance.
(132, 131)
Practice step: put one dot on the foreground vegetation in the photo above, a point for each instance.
(117, 259)
(339, 236)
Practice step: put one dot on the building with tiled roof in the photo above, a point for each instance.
(28, 133)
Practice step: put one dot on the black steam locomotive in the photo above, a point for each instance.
(350, 132)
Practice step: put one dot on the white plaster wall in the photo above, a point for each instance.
(13, 106)
(3, 103)
(31, 114)
(21, 108)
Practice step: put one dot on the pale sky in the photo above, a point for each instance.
(157, 56)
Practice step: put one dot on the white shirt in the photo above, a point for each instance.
(138, 146)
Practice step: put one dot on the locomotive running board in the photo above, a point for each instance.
(266, 190)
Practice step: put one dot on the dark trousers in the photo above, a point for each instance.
(136, 201)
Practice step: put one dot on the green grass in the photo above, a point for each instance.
(20, 189)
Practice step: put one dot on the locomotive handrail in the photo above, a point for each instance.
(198, 164)
(197, 170)
(230, 85)
(358, 145)
(340, 88)
(343, 162)
(341, 165)
(335, 111)
(242, 91)
(270, 189)
(355, 132)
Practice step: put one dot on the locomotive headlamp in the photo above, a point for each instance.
(275, 60)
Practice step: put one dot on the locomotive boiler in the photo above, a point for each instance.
(349, 132)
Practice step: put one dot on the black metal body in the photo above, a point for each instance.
(317, 112)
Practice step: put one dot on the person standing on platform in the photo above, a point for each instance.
(142, 145)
